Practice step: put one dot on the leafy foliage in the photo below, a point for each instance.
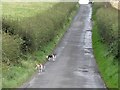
(39, 30)
(107, 22)
(37, 34)
(105, 42)
(11, 48)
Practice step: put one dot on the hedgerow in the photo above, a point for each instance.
(105, 42)
(11, 48)
(39, 30)
(107, 22)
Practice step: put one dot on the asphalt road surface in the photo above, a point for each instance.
(75, 66)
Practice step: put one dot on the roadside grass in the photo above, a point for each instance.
(105, 42)
(16, 75)
(108, 66)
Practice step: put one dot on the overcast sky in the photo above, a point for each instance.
(83, 1)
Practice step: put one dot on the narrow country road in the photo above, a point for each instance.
(75, 66)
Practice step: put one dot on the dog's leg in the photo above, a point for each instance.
(54, 56)
(39, 70)
(53, 59)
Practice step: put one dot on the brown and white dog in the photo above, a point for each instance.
(51, 57)
(40, 67)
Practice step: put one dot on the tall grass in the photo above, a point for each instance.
(109, 28)
(105, 42)
(108, 66)
(107, 21)
(38, 30)
(11, 48)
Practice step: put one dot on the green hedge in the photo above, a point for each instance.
(30, 34)
(107, 22)
(11, 48)
(39, 30)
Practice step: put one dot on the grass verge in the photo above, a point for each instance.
(108, 66)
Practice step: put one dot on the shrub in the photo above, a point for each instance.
(27, 35)
(38, 30)
(10, 48)
(107, 22)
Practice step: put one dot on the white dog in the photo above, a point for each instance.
(51, 56)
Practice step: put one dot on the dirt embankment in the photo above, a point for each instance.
(115, 4)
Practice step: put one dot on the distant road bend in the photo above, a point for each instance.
(75, 66)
